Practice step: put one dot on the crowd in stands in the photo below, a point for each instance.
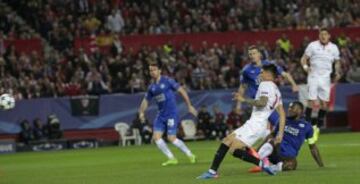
(69, 18)
(212, 67)
(11, 27)
(68, 72)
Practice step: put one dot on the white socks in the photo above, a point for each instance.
(181, 145)
(163, 147)
(279, 166)
(178, 143)
(265, 150)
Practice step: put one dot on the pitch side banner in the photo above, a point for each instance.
(7, 146)
(123, 107)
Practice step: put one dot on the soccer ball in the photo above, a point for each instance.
(7, 102)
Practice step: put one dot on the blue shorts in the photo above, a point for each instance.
(274, 119)
(168, 124)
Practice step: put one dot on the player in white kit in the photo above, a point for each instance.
(268, 99)
(321, 55)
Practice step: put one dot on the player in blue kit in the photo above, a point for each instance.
(250, 80)
(297, 130)
(162, 90)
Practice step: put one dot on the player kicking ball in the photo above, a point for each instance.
(162, 90)
(268, 98)
(283, 156)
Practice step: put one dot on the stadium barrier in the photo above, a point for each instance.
(123, 107)
(25, 46)
(56, 145)
(7, 146)
(354, 111)
(112, 109)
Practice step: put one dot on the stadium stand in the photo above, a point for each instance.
(102, 47)
(67, 69)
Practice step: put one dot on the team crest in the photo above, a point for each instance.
(162, 86)
(301, 125)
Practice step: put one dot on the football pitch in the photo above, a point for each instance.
(141, 164)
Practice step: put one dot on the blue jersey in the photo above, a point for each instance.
(163, 93)
(296, 131)
(250, 76)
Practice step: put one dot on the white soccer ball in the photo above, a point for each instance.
(7, 101)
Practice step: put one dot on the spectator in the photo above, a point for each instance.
(115, 21)
(96, 84)
(284, 44)
(203, 122)
(116, 47)
(54, 128)
(220, 125)
(38, 130)
(353, 75)
(91, 23)
(26, 134)
(136, 83)
(144, 128)
(234, 119)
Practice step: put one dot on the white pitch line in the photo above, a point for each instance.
(320, 145)
(341, 145)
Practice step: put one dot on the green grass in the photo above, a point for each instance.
(141, 164)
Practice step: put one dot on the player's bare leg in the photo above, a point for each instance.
(165, 149)
(319, 120)
(309, 109)
(218, 158)
(181, 145)
(322, 113)
(238, 149)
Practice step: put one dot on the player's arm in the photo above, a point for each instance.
(186, 98)
(316, 154)
(304, 63)
(337, 69)
(261, 102)
(241, 91)
(289, 78)
(143, 106)
(280, 134)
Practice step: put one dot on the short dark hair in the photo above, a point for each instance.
(299, 104)
(253, 47)
(270, 68)
(154, 63)
(324, 29)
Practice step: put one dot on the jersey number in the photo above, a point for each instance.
(170, 122)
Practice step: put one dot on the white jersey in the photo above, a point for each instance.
(270, 90)
(321, 58)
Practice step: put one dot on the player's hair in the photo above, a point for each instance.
(270, 68)
(253, 47)
(324, 29)
(154, 63)
(299, 104)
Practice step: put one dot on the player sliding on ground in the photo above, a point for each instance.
(268, 98)
(162, 90)
(283, 155)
